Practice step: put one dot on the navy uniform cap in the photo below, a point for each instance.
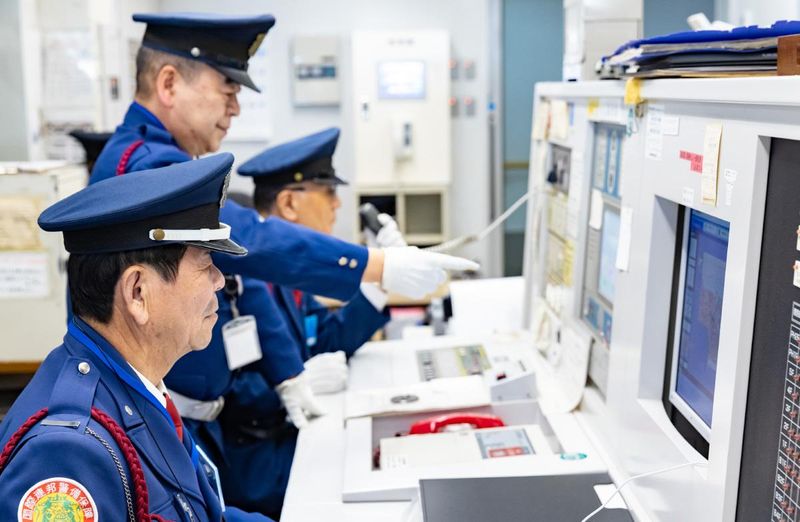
(224, 42)
(175, 204)
(92, 142)
(305, 159)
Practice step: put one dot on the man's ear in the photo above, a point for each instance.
(135, 292)
(286, 205)
(166, 82)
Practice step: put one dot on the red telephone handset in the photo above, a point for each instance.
(436, 424)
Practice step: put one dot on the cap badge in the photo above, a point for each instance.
(256, 44)
(298, 176)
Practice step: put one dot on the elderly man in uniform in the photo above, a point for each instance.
(95, 434)
(189, 71)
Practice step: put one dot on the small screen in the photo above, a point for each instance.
(704, 262)
(401, 80)
(608, 254)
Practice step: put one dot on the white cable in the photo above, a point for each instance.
(636, 477)
(471, 238)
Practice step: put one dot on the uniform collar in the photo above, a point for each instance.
(101, 342)
(142, 114)
(158, 390)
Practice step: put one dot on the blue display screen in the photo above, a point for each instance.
(704, 284)
(609, 241)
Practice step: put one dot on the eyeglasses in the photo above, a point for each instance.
(328, 190)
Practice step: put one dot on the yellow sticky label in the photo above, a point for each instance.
(633, 91)
(594, 104)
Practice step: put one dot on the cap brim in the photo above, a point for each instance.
(332, 180)
(237, 75)
(225, 246)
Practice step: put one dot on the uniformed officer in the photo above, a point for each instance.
(296, 181)
(95, 436)
(189, 71)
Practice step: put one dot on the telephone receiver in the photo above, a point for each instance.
(436, 424)
(369, 217)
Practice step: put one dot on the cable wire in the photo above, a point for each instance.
(452, 244)
(636, 477)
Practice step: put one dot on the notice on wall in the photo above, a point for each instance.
(559, 120)
(624, 241)
(18, 228)
(711, 146)
(541, 121)
(23, 275)
(654, 137)
(730, 181)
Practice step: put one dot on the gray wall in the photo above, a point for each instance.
(533, 36)
(669, 16)
(13, 136)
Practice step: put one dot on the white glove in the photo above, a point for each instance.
(299, 400)
(327, 372)
(416, 273)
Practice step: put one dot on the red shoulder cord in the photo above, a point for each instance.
(122, 166)
(141, 495)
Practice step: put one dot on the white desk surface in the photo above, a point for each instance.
(314, 492)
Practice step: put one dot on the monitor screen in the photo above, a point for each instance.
(702, 285)
(608, 253)
(401, 80)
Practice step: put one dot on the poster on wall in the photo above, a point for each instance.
(69, 84)
(254, 122)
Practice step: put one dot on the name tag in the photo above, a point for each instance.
(311, 330)
(240, 337)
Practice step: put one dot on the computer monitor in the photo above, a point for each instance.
(401, 80)
(696, 328)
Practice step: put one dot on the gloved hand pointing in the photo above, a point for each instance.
(299, 400)
(415, 273)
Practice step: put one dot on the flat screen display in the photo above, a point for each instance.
(704, 258)
(608, 254)
(401, 80)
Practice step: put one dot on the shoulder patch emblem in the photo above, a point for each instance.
(57, 498)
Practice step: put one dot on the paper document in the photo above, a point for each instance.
(559, 120)
(711, 146)
(24, 275)
(624, 244)
(19, 229)
(541, 121)
(435, 395)
(596, 210)
(654, 139)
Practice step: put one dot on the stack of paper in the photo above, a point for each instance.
(742, 51)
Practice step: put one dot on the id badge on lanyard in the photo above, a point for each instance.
(212, 473)
(311, 330)
(240, 337)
